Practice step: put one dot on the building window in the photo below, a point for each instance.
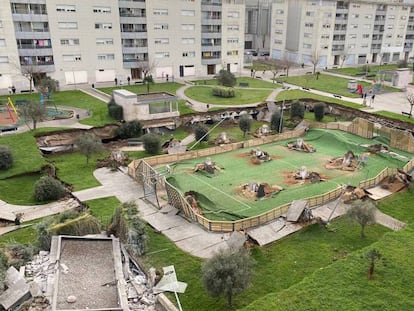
(365, 36)
(324, 47)
(72, 58)
(307, 46)
(103, 25)
(309, 25)
(160, 26)
(279, 22)
(233, 53)
(101, 9)
(233, 14)
(66, 8)
(279, 11)
(368, 16)
(187, 26)
(4, 59)
(189, 54)
(188, 40)
(352, 36)
(277, 41)
(104, 41)
(354, 26)
(104, 57)
(161, 41)
(327, 15)
(355, 15)
(233, 40)
(325, 36)
(233, 27)
(307, 35)
(160, 12)
(187, 13)
(326, 26)
(69, 41)
(162, 54)
(68, 25)
(310, 13)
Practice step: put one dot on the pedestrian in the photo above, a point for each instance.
(116, 81)
(13, 88)
(167, 77)
(129, 80)
(372, 99)
(251, 72)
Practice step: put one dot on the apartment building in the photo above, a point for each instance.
(342, 33)
(78, 42)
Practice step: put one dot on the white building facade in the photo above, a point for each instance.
(342, 33)
(78, 42)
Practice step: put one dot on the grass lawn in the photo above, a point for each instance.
(354, 71)
(27, 235)
(220, 196)
(278, 266)
(243, 96)
(170, 87)
(299, 94)
(72, 169)
(26, 155)
(325, 83)
(77, 99)
(19, 190)
(183, 108)
(253, 83)
(103, 209)
(394, 116)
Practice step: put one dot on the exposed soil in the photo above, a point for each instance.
(5, 119)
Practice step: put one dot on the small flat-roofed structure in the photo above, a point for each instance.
(90, 273)
(150, 106)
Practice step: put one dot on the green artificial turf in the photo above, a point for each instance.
(219, 194)
(243, 96)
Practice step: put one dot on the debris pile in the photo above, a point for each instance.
(353, 193)
(303, 174)
(348, 162)
(191, 199)
(301, 145)
(208, 166)
(253, 190)
(258, 156)
(222, 139)
(396, 182)
(262, 131)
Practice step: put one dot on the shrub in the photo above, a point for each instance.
(152, 143)
(297, 110)
(225, 92)
(6, 157)
(226, 78)
(245, 124)
(276, 122)
(130, 129)
(44, 237)
(88, 145)
(19, 254)
(319, 111)
(48, 188)
(403, 64)
(201, 132)
(115, 111)
(82, 225)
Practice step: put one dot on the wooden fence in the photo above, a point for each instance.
(178, 201)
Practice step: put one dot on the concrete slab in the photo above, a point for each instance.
(377, 193)
(92, 193)
(178, 234)
(201, 242)
(266, 234)
(211, 250)
(163, 222)
(296, 209)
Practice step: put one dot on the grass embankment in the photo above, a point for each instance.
(360, 71)
(394, 116)
(345, 283)
(204, 94)
(170, 87)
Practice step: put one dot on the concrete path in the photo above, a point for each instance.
(189, 236)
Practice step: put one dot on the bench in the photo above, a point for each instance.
(309, 72)
(305, 88)
(337, 96)
(139, 82)
(25, 91)
(406, 114)
(134, 142)
(282, 75)
(190, 103)
(244, 84)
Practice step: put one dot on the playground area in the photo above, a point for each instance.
(250, 181)
(11, 118)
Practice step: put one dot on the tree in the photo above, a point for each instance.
(47, 85)
(6, 157)
(373, 255)
(245, 124)
(269, 65)
(48, 188)
(201, 132)
(315, 58)
(146, 68)
(297, 110)
(226, 78)
(227, 273)
(287, 62)
(276, 121)
(130, 129)
(32, 111)
(410, 99)
(147, 81)
(362, 212)
(88, 145)
(343, 56)
(319, 111)
(152, 143)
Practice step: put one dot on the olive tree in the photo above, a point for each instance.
(245, 124)
(88, 145)
(34, 112)
(227, 273)
(363, 212)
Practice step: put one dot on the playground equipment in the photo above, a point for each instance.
(10, 106)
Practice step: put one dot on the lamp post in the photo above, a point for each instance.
(366, 70)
